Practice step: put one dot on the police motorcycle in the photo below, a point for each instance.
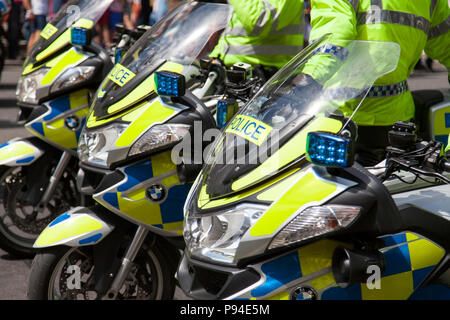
(431, 122)
(5, 7)
(281, 210)
(37, 174)
(127, 244)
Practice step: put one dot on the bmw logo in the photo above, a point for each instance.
(72, 122)
(156, 193)
(303, 293)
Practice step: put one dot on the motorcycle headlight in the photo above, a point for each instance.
(159, 136)
(95, 147)
(315, 221)
(72, 77)
(28, 85)
(217, 237)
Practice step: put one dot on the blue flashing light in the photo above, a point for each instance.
(326, 149)
(221, 113)
(80, 36)
(118, 55)
(170, 84)
(225, 110)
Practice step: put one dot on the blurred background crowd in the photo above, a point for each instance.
(28, 18)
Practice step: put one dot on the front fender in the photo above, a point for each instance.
(77, 227)
(19, 152)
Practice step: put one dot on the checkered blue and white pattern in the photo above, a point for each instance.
(339, 52)
(388, 90)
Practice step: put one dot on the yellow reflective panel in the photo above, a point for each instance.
(75, 226)
(71, 57)
(440, 122)
(155, 113)
(132, 115)
(144, 88)
(162, 163)
(395, 287)
(424, 253)
(84, 23)
(205, 203)
(121, 75)
(48, 31)
(15, 150)
(308, 189)
(140, 208)
(59, 43)
(290, 151)
(250, 129)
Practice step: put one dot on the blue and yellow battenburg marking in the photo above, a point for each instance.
(250, 129)
(48, 31)
(409, 260)
(134, 202)
(442, 125)
(121, 75)
(54, 128)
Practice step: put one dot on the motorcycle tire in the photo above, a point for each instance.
(50, 268)
(17, 234)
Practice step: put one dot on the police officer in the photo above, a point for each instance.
(415, 26)
(265, 33)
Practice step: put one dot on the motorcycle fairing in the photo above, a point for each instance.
(409, 259)
(293, 149)
(56, 35)
(139, 93)
(61, 125)
(19, 152)
(77, 227)
(131, 199)
(440, 121)
(67, 60)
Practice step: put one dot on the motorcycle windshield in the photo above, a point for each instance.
(70, 13)
(187, 33)
(268, 133)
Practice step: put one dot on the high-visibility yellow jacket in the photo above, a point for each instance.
(265, 32)
(415, 25)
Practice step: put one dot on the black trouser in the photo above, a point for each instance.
(371, 144)
(14, 26)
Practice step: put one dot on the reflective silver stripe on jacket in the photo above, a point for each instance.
(293, 29)
(263, 19)
(440, 29)
(267, 12)
(264, 49)
(395, 17)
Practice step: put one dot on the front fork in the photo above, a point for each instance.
(127, 263)
(54, 180)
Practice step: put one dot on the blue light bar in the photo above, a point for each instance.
(118, 55)
(225, 111)
(80, 36)
(170, 84)
(330, 150)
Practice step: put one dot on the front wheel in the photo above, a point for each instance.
(20, 191)
(66, 273)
